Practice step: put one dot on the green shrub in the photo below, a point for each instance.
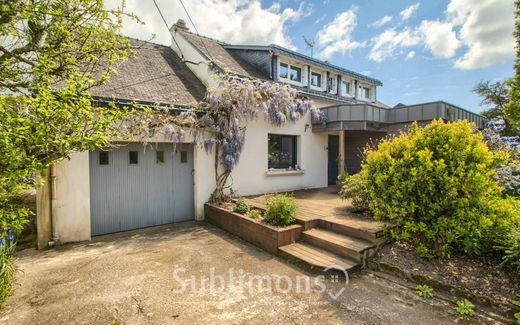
(241, 206)
(355, 187)
(254, 214)
(511, 249)
(516, 315)
(424, 291)
(436, 184)
(280, 210)
(7, 247)
(465, 307)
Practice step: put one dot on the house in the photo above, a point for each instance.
(132, 186)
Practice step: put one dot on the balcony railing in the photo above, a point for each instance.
(371, 117)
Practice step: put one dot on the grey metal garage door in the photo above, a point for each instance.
(134, 187)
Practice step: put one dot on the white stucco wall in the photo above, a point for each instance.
(71, 204)
(71, 199)
(249, 176)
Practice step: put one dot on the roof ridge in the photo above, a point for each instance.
(203, 36)
(144, 41)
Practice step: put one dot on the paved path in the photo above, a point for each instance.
(129, 278)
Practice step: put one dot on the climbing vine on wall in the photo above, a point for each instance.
(227, 112)
(219, 122)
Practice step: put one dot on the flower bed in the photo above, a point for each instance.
(254, 231)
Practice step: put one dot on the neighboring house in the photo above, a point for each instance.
(131, 186)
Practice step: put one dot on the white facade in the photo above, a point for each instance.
(71, 187)
(71, 216)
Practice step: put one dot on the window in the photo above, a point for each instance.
(133, 155)
(287, 71)
(159, 157)
(184, 157)
(366, 92)
(315, 79)
(103, 157)
(284, 71)
(296, 74)
(281, 151)
(345, 88)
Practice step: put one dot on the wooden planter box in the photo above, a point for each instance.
(257, 233)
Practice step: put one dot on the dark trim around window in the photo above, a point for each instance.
(282, 150)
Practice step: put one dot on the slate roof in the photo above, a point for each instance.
(222, 54)
(223, 58)
(154, 74)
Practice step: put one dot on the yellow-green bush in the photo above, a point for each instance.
(436, 185)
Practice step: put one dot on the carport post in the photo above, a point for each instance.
(341, 158)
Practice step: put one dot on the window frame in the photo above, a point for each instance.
(288, 78)
(286, 66)
(320, 77)
(130, 161)
(298, 71)
(366, 92)
(294, 151)
(347, 88)
(159, 157)
(101, 161)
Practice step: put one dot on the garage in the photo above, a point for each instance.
(133, 186)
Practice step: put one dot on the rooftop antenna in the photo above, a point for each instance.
(310, 44)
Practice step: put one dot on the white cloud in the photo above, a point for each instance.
(410, 55)
(232, 21)
(439, 38)
(336, 36)
(389, 43)
(486, 28)
(483, 28)
(380, 22)
(408, 12)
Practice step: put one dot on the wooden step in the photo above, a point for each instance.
(337, 243)
(355, 227)
(315, 257)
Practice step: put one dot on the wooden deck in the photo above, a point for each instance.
(332, 234)
(324, 204)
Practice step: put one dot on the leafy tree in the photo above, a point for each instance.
(51, 53)
(494, 97)
(512, 109)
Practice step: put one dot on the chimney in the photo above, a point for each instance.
(181, 24)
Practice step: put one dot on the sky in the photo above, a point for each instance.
(422, 51)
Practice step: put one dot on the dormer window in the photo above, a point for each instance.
(284, 71)
(290, 72)
(296, 74)
(366, 92)
(345, 88)
(316, 79)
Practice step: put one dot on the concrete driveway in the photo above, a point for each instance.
(139, 277)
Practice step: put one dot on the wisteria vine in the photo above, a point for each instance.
(227, 111)
(219, 122)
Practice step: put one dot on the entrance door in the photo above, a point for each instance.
(333, 159)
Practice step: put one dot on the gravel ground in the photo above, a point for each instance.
(138, 277)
